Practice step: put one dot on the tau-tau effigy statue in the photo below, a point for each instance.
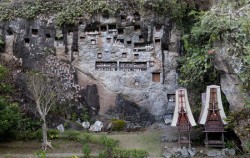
(213, 118)
(183, 117)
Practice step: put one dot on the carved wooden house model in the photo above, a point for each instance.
(183, 117)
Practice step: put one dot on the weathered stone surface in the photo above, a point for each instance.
(135, 115)
(229, 67)
(144, 61)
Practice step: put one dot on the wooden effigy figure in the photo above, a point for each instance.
(213, 118)
(183, 118)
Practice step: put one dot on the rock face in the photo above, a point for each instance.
(133, 55)
(229, 67)
(131, 112)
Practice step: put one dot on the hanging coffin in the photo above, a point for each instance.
(183, 117)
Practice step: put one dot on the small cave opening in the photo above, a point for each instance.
(9, 32)
(123, 18)
(93, 41)
(124, 55)
(137, 28)
(34, 32)
(26, 40)
(47, 35)
(129, 42)
(120, 31)
(136, 56)
(112, 26)
(99, 55)
(158, 28)
(137, 16)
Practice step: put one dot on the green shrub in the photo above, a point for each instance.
(107, 142)
(71, 135)
(129, 153)
(53, 134)
(86, 151)
(40, 154)
(118, 125)
(85, 138)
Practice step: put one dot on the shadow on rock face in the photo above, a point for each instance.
(135, 116)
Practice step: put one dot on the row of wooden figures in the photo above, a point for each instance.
(212, 117)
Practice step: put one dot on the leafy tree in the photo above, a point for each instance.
(9, 112)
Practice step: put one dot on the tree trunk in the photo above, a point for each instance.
(44, 128)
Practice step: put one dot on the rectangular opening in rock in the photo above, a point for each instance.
(82, 38)
(121, 41)
(171, 97)
(99, 55)
(112, 26)
(137, 28)
(129, 42)
(156, 77)
(47, 35)
(93, 41)
(136, 56)
(124, 55)
(123, 18)
(108, 40)
(141, 39)
(103, 28)
(112, 54)
(120, 31)
(106, 66)
(137, 16)
(9, 32)
(158, 28)
(105, 16)
(34, 31)
(157, 41)
(26, 40)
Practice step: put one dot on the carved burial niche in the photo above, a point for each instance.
(9, 32)
(121, 41)
(47, 35)
(105, 16)
(129, 42)
(123, 18)
(137, 16)
(103, 28)
(157, 41)
(156, 77)
(34, 32)
(136, 56)
(132, 66)
(171, 97)
(93, 41)
(112, 26)
(108, 39)
(137, 28)
(141, 39)
(158, 28)
(124, 55)
(120, 31)
(99, 55)
(106, 66)
(26, 41)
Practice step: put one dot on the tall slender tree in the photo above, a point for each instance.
(43, 91)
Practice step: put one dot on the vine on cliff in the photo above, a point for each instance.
(227, 23)
(69, 11)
